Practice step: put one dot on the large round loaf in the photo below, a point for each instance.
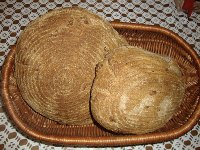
(55, 62)
(136, 91)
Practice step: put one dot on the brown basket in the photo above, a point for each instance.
(152, 38)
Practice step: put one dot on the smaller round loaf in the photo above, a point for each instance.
(136, 91)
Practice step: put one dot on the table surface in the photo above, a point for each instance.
(16, 14)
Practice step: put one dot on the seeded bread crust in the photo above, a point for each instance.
(55, 62)
(136, 91)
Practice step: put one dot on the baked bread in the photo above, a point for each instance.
(55, 62)
(136, 91)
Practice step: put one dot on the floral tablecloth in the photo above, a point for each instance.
(16, 14)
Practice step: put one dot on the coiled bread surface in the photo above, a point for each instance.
(55, 62)
(136, 91)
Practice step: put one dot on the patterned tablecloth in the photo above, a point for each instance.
(16, 14)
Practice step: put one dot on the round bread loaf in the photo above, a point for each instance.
(55, 62)
(136, 91)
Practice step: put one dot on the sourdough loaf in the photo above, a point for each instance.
(136, 91)
(55, 62)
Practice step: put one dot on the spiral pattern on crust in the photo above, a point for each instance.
(55, 62)
(136, 91)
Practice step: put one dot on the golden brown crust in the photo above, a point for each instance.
(55, 60)
(136, 91)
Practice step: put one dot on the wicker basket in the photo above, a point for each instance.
(152, 38)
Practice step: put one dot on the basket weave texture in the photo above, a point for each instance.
(152, 38)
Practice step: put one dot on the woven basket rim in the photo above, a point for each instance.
(121, 140)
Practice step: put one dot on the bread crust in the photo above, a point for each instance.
(136, 91)
(55, 62)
